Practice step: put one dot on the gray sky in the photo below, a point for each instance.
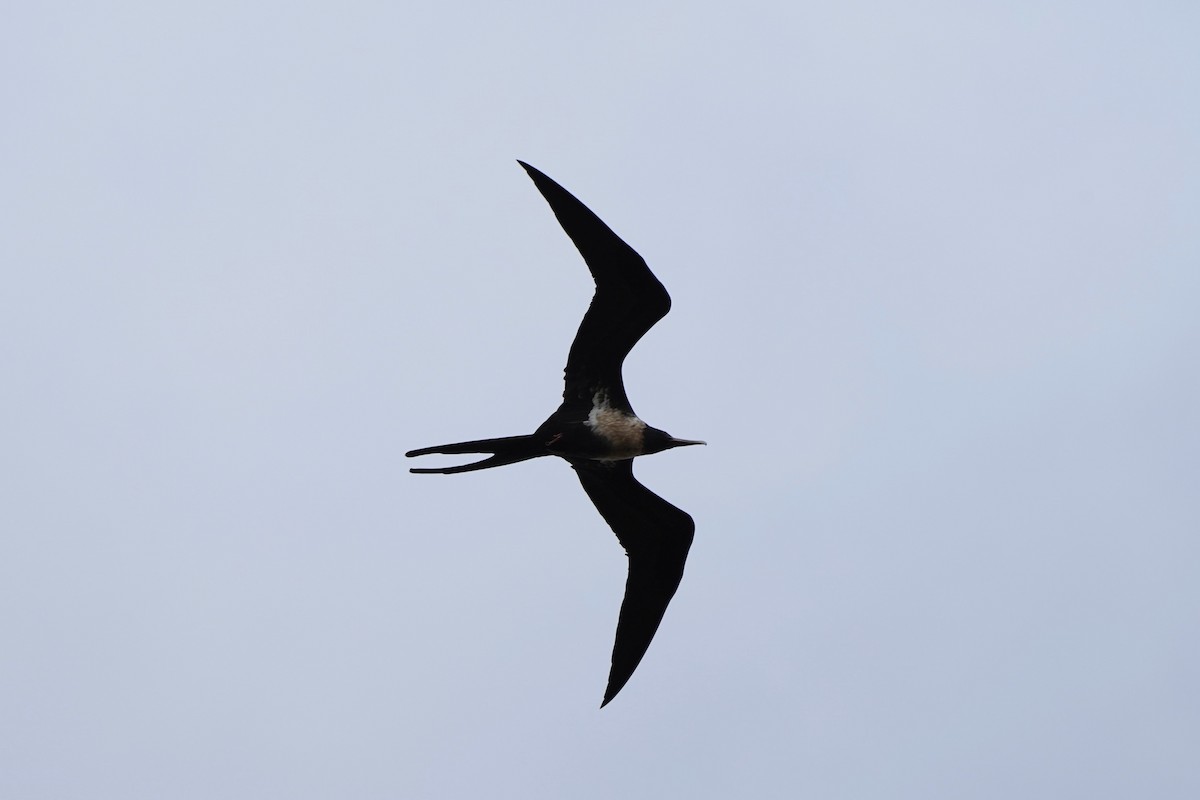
(936, 276)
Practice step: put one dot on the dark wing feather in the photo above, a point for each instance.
(627, 303)
(656, 536)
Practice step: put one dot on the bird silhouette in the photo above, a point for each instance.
(596, 430)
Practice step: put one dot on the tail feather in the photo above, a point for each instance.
(505, 450)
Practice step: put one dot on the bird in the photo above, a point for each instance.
(597, 432)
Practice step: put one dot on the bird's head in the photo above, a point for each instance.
(655, 441)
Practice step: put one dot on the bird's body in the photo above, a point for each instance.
(596, 430)
(623, 435)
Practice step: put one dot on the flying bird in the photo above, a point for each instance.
(596, 430)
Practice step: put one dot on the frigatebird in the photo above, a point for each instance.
(597, 432)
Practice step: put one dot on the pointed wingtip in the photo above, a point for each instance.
(613, 689)
(533, 171)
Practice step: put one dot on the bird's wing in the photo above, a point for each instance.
(656, 536)
(627, 303)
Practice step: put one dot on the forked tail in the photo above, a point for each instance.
(505, 450)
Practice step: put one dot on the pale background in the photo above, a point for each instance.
(936, 275)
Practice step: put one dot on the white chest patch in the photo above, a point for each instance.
(623, 432)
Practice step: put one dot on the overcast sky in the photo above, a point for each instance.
(936, 282)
